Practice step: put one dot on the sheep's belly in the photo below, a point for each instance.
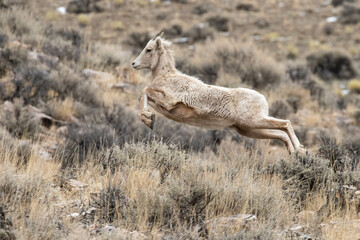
(207, 123)
(191, 117)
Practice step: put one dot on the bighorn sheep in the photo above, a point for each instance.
(186, 99)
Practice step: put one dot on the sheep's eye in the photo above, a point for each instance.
(148, 50)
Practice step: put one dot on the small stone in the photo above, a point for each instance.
(306, 216)
(230, 224)
(297, 228)
(61, 10)
(137, 235)
(181, 40)
(122, 86)
(76, 185)
(74, 215)
(331, 19)
(349, 187)
(97, 75)
(108, 228)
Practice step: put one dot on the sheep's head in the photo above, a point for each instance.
(149, 57)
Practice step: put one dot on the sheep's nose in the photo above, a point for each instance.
(133, 63)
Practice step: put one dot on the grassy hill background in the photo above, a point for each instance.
(76, 162)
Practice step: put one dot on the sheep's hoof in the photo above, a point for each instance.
(302, 150)
(148, 118)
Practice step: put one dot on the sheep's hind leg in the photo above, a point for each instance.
(285, 125)
(269, 134)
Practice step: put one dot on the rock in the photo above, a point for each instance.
(41, 152)
(61, 10)
(8, 106)
(305, 237)
(76, 185)
(74, 215)
(46, 120)
(350, 188)
(48, 60)
(306, 217)
(181, 40)
(17, 44)
(228, 225)
(137, 235)
(122, 86)
(91, 210)
(117, 233)
(297, 228)
(108, 228)
(98, 76)
(331, 19)
(35, 114)
(297, 232)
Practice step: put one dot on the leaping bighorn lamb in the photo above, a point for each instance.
(186, 99)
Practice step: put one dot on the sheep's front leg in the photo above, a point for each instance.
(146, 116)
(159, 98)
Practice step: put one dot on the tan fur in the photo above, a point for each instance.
(186, 99)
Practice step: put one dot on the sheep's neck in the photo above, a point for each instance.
(164, 66)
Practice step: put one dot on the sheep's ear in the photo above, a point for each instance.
(158, 42)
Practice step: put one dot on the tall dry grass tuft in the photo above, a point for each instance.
(161, 190)
(217, 61)
(20, 23)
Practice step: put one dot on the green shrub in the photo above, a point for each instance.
(220, 23)
(330, 64)
(19, 121)
(206, 71)
(138, 40)
(117, 25)
(334, 166)
(250, 65)
(199, 34)
(61, 49)
(20, 23)
(84, 20)
(354, 86)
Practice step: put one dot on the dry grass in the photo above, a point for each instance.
(160, 190)
(229, 58)
(20, 23)
(175, 182)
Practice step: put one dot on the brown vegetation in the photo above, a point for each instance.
(76, 162)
